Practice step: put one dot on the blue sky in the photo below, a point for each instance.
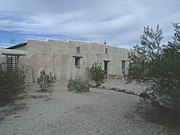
(119, 22)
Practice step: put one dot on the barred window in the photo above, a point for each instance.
(11, 62)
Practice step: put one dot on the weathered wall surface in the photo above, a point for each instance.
(58, 57)
(1, 56)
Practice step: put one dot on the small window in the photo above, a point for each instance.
(106, 51)
(78, 49)
(11, 62)
(77, 62)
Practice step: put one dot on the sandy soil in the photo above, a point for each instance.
(99, 112)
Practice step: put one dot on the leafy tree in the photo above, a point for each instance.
(171, 69)
(158, 66)
(145, 55)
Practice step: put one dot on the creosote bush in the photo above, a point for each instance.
(96, 73)
(78, 86)
(46, 81)
(12, 84)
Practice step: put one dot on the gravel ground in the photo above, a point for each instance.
(99, 112)
(122, 84)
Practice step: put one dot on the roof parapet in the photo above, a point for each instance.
(12, 52)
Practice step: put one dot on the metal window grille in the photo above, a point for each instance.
(11, 62)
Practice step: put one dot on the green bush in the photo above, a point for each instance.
(46, 81)
(158, 66)
(96, 73)
(12, 84)
(78, 86)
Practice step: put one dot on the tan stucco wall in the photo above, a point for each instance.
(1, 56)
(57, 57)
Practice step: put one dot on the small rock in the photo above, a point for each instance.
(113, 89)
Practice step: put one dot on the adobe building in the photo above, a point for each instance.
(69, 59)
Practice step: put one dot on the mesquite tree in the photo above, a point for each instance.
(158, 66)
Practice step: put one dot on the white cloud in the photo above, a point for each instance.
(119, 22)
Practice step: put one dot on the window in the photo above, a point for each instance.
(78, 49)
(77, 62)
(11, 62)
(106, 51)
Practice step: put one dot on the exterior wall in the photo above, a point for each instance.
(1, 56)
(57, 57)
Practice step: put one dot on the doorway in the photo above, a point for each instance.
(106, 67)
(123, 67)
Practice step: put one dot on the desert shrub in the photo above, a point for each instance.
(78, 86)
(96, 73)
(46, 81)
(12, 84)
(158, 66)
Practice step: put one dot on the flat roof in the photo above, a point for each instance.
(12, 52)
(16, 46)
